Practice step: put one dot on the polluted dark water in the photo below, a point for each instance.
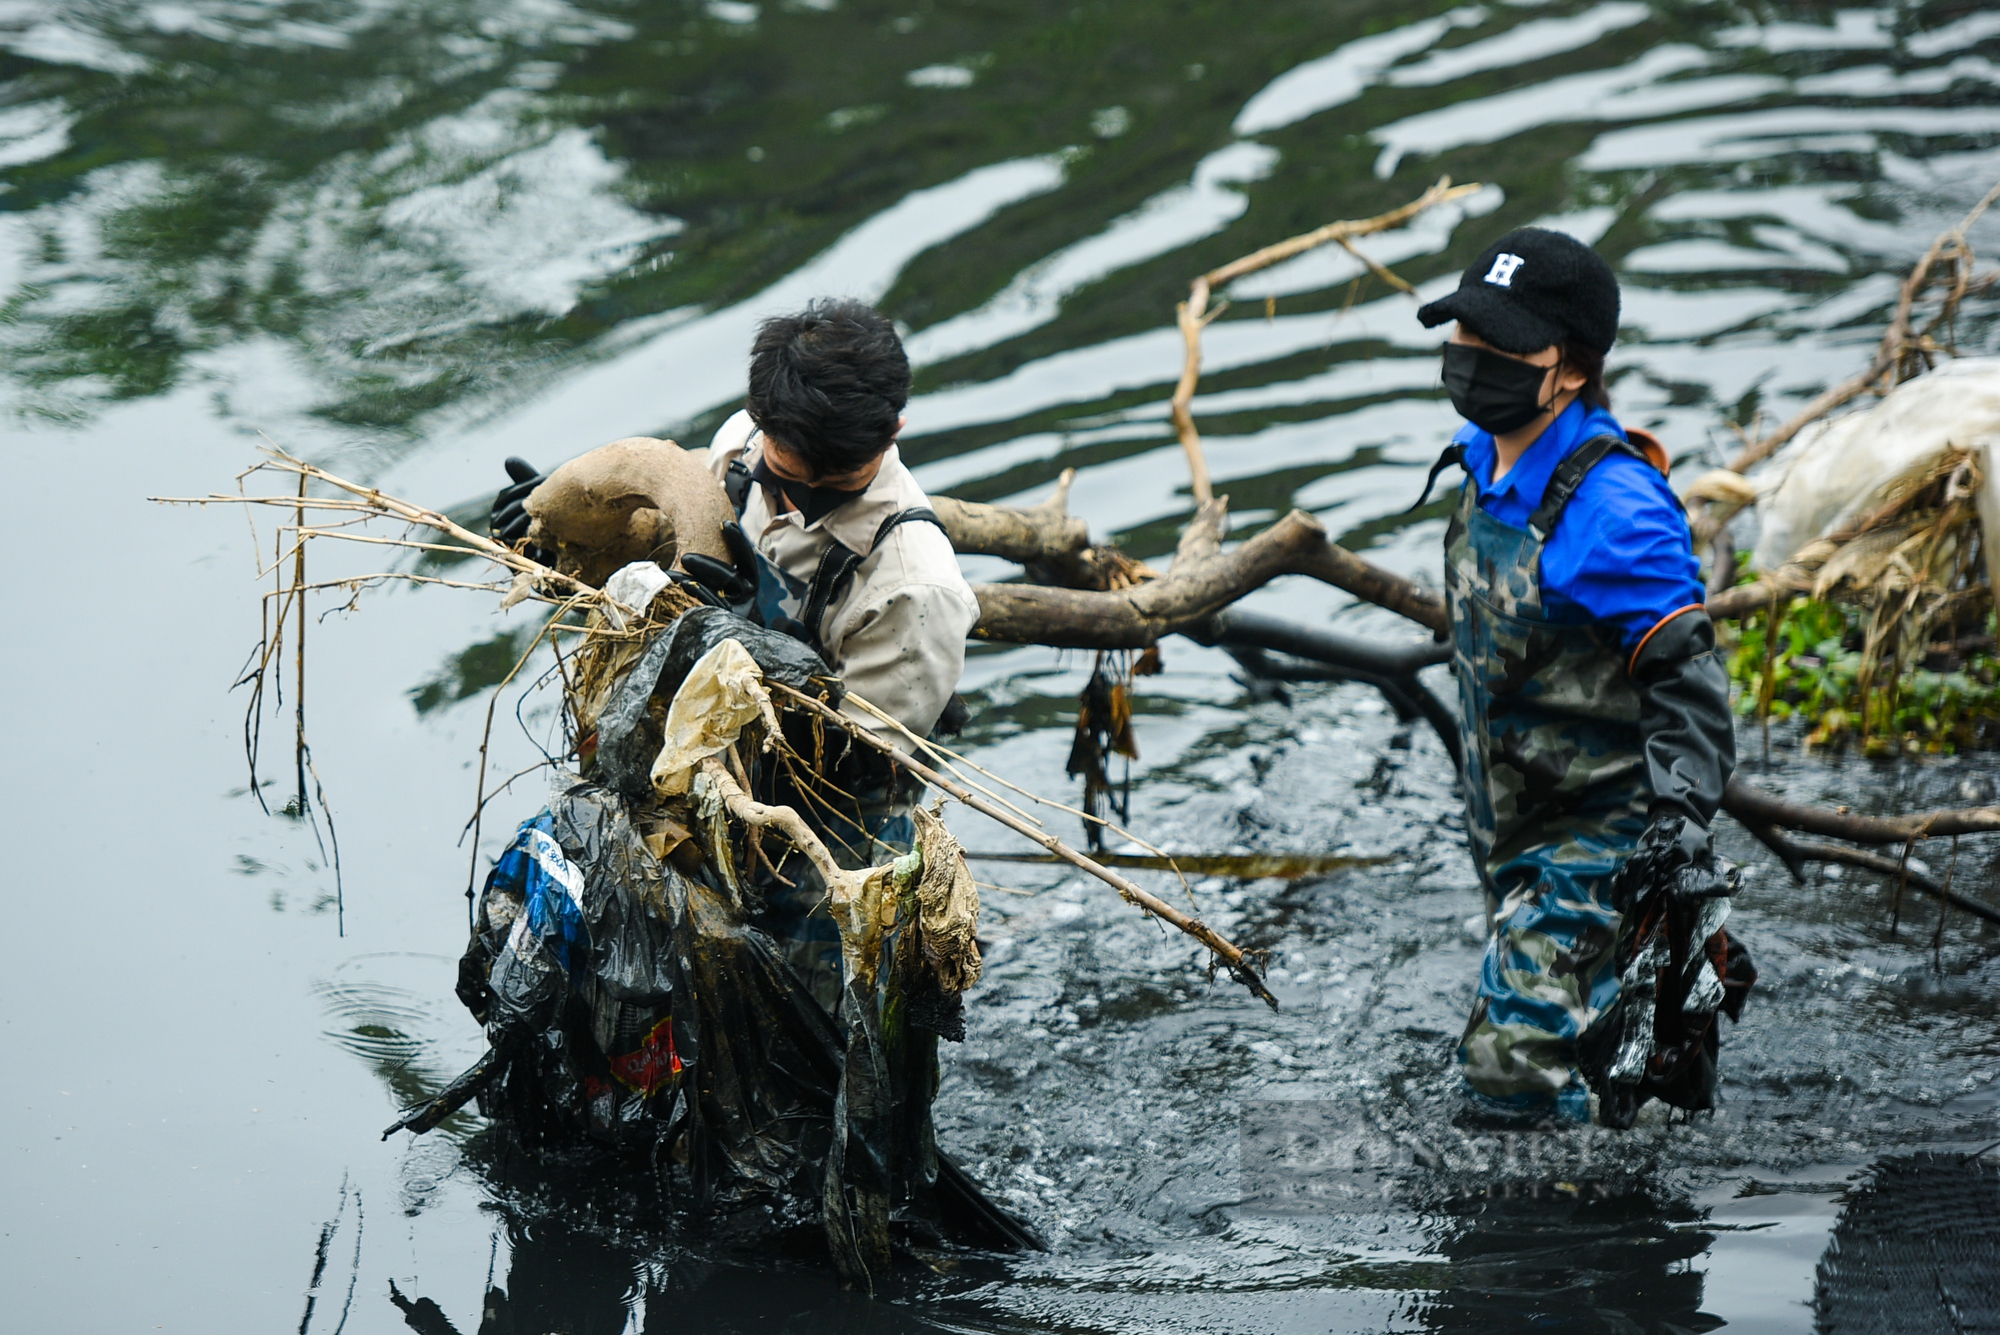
(408, 239)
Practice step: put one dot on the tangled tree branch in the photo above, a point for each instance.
(1046, 538)
(1193, 315)
(1797, 853)
(1756, 806)
(1901, 353)
(1204, 578)
(843, 885)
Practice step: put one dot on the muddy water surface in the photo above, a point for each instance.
(409, 239)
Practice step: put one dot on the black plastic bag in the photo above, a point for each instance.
(630, 1005)
(626, 744)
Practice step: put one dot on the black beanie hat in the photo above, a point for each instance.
(1531, 288)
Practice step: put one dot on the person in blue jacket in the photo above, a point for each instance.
(1595, 710)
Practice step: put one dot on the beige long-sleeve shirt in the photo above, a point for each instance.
(897, 633)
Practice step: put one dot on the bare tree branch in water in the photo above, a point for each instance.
(1902, 353)
(1754, 805)
(1797, 853)
(1193, 315)
(1051, 543)
(1204, 578)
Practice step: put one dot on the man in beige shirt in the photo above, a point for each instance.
(845, 553)
(895, 631)
(835, 544)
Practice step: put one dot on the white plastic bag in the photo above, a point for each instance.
(1838, 471)
(635, 586)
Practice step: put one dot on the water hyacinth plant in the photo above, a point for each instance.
(1815, 669)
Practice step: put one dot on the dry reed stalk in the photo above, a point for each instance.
(605, 652)
(357, 504)
(1238, 961)
(485, 740)
(951, 760)
(1944, 906)
(299, 645)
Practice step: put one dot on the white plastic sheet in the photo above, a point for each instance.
(1838, 471)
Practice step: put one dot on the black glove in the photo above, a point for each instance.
(696, 590)
(510, 519)
(736, 582)
(1687, 734)
(1659, 1039)
(1675, 855)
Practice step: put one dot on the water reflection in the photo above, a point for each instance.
(419, 235)
(1585, 1263)
(438, 208)
(558, 1276)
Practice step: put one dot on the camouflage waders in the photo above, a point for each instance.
(1556, 797)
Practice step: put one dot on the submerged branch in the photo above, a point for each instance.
(1796, 853)
(1238, 866)
(1758, 806)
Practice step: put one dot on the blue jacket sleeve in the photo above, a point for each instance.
(1621, 552)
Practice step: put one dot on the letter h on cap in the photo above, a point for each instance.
(1502, 272)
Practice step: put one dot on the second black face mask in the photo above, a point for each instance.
(1494, 393)
(813, 503)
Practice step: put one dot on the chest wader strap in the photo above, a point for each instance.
(736, 486)
(1453, 454)
(1569, 475)
(839, 562)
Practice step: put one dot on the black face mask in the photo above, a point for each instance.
(812, 503)
(1494, 393)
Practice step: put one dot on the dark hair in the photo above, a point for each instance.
(829, 384)
(1584, 358)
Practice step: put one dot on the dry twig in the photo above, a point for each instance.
(357, 504)
(1193, 315)
(1901, 354)
(1234, 958)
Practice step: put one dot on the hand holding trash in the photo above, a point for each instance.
(735, 581)
(1675, 856)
